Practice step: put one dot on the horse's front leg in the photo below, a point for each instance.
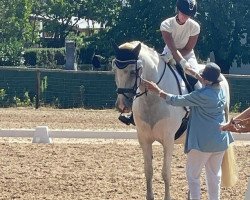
(168, 148)
(148, 168)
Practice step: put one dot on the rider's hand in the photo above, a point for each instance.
(185, 65)
(167, 57)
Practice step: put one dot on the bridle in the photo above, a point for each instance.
(138, 79)
(124, 91)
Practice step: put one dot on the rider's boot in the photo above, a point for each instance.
(127, 119)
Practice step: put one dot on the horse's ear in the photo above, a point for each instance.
(137, 50)
(115, 46)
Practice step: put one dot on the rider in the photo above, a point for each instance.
(180, 34)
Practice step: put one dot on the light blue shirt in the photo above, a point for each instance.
(206, 115)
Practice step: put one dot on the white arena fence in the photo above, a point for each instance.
(43, 131)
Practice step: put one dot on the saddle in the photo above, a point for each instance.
(183, 126)
(188, 79)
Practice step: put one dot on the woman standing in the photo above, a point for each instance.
(205, 143)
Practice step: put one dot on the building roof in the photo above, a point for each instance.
(82, 24)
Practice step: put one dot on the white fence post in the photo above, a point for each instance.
(41, 135)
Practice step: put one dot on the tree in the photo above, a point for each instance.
(222, 27)
(222, 30)
(140, 20)
(58, 15)
(14, 20)
(15, 30)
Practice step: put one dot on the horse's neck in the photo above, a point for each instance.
(156, 70)
(159, 72)
(151, 69)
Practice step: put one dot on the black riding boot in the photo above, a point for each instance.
(127, 119)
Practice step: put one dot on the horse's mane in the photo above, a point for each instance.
(144, 48)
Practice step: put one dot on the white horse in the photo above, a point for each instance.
(155, 119)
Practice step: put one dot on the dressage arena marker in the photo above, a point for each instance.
(42, 134)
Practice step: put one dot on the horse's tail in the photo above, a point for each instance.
(229, 166)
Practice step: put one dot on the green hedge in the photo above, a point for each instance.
(54, 58)
(51, 58)
(239, 91)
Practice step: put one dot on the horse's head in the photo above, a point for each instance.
(127, 69)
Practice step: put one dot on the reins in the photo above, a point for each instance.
(145, 92)
(165, 66)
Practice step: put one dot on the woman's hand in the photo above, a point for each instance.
(241, 123)
(229, 126)
(151, 86)
(235, 125)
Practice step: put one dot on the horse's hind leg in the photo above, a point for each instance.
(148, 168)
(166, 169)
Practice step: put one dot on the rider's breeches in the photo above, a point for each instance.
(191, 58)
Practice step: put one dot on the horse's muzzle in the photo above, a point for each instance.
(123, 107)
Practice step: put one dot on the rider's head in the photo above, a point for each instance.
(187, 7)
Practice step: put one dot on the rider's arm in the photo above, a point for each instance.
(193, 73)
(167, 37)
(189, 46)
(179, 53)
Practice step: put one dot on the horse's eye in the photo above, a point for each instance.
(132, 73)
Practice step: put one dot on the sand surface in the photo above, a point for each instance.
(90, 169)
